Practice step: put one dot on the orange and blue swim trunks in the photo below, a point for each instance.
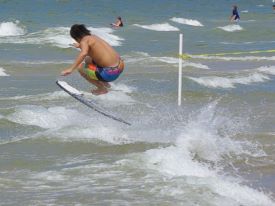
(105, 74)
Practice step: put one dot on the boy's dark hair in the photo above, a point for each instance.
(78, 31)
(121, 23)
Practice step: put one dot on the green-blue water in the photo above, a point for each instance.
(216, 149)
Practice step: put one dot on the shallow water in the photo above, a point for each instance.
(216, 149)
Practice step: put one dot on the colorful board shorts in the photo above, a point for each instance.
(105, 74)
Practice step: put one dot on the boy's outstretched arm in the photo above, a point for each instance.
(81, 56)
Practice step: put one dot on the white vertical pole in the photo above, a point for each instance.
(180, 70)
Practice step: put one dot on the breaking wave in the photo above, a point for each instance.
(158, 27)
(11, 29)
(259, 75)
(190, 22)
(231, 28)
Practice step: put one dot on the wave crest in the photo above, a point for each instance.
(158, 27)
(231, 28)
(59, 36)
(259, 75)
(3, 73)
(190, 22)
(11, 29)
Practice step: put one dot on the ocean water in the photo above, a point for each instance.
(216, 149)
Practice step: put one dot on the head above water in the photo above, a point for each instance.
(235, 7)
(78, 31)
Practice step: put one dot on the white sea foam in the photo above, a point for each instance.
(11, 29)
(195, 65)
(267, 70)
(190, 22)
(39, 97)
(117, 96)
(169, 60)
(123, 88)
(231, 28)
(241, 194)
(158, 27)
(223, 82)
(201, 139)
(49, 176)
(39, 62)
(106, 34)
(91, 130)
(173, 60)
(170, 161)
(59, 36)
(202, 136)
(54, 117)
(61, 122)
(3, 72)
(244, 11)
(136, 57)
(231, 58)
(237, 43)
(56, 36)
(138, 53)
(258, 75)
(141, 57)
(69, 124)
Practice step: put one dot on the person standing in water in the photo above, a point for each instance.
(102, 64)
(118, 23)
(235, 15)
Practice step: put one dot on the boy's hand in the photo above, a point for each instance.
(76, 45)
(66, 72)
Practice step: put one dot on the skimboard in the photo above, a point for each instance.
(78, 95)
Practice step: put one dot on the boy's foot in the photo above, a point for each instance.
(99, 91)
(107, 85)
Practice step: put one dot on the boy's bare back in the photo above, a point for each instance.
(99, 50)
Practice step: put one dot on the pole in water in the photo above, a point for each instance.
(180, 70)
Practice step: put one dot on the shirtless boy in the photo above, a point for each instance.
(102, 63)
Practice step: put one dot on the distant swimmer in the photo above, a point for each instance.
(102, 64)
(118, 23)
(235, 15)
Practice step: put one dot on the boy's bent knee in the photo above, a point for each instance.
(88, 60)
(81, 72)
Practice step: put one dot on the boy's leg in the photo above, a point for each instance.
(107, 85)
(88, 60)
(101, 88)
